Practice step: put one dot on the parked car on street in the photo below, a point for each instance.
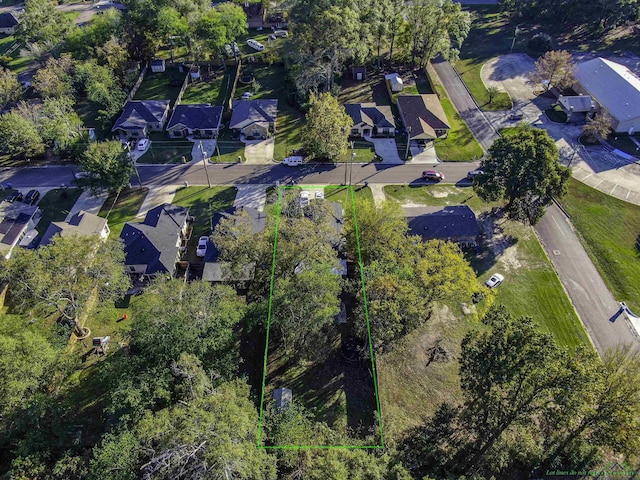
(495, 280)
(433, 175)
(515, 116)
(294, 161)
(14, 197)
(143, 143)
(473, 174)
(201, 251)
(31, 197)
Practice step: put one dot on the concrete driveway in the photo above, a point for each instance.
(258, 152)
(423, 154)
(254, 196)
(387, 149)
(208, 147)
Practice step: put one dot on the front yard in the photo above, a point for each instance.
(164, 150)
(118, 209)
(203, 202)
(55, 206)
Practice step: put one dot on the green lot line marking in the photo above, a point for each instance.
(366, 311)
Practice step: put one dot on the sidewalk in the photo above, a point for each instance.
(88, 203)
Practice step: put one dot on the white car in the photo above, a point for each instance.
(143, 143)
(495, 280)
(247, 95)
(319, 195)
(305, 197)
(201, 251)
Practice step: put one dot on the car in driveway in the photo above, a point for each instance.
(433, 175)
(31, 197)
(473, 174)
(143, 143)
(495, 280)
(15, 197)
(201, 251)
(247, 95)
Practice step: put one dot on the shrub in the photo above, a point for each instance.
(540, 44)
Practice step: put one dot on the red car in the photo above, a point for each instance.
(433, 175)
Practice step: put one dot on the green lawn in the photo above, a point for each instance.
(531, 286)
(556, 114)
(343, 195)
(290, 120)
(364, 151)
(469, 70)
(88, 112)
(165, 150)
(203, 203)
(125, 209)
(460, 144)
(230, 147)
(609, 229)
(161, 86)
(206, 92)
(55, 206)
(6, 43)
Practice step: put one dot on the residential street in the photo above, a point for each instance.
(589, 294)
(464, 103)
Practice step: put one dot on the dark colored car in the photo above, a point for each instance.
(15, 196)
(32, 197)
(473, 174)
(433, 175)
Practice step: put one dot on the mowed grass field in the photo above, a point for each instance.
(118, 209)
(531, 287)
(609, 229)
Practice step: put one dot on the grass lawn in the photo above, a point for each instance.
(460, 144)
(343, 195)
(212, 92)
(6, 43)
(371, 89)
(161, 86)
(203, 203)
(531, 286)
(556, 114)
(55, 206)
(88, 113)
(163, 150)
(230, 148)
(609, 229)
(290, 120)
(365, 152)
(118, 209)
(469, 70)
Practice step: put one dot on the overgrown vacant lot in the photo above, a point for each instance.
(531, 286)
(610, 232)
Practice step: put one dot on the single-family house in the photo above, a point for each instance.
(456, 224)
(8, 23)
(81, 223)
(16, 219)
(154, 246)
(615, 88)
(359, 73)
(197, 120)
(158, 65)
(254, 118)
(394, 82)
(219, 271)
(423, 116)
(139, 117)
(371, 120)
(576, 103)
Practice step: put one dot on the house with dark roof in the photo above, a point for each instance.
(576, 103)
(16, 219)
(139, 117)
(254, 118)
(154, 246)
(423, 116)
(218, 271)
(456, 224)
(81, 223)
(371, 120)
(199, 121)
(8, 23)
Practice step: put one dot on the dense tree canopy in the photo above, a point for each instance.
(522, 168)
(328, 127)
(108, 165)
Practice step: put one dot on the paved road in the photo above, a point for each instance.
(464, 103)
(588, 292)
(227, 174)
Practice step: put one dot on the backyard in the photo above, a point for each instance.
(531, 286)
(609, 229)
(161, 85)
(122, 207)
(203, 202)
(215, 90)
(55, 206)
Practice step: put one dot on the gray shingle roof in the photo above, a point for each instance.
(246, 112)
(139, 113)
(201, 116)
(423, 113)
(8, 20)
(81, 223)
(375, 115)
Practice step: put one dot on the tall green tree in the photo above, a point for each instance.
(523, 170)
(60, 125)
(41, 22)
(555, 69)
(19, 136)
(101, 86)
(10, 89)
(63, 276)
(56, 78)
(328, 127)
(109, 166)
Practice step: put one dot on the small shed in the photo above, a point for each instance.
(359, 73)
(194, 72)
(394, 81)
(576, 103)
(157, 66)
(282, 397)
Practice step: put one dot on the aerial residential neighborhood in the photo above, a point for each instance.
(269, 240)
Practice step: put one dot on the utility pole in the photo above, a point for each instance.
(406, 154)
(218, 148)
(515, 34)
(135, 167)
(204, 161)
(353, 156)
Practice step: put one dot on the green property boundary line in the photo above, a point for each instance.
(366, 313)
